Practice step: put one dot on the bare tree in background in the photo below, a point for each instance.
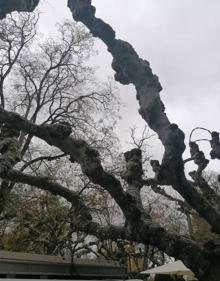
(202, 258)
(14, 39)
(49, 83)
(55, 85)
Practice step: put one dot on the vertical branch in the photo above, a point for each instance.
(133, 176)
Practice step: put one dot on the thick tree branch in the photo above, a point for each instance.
(55, 188)
(104, 232)
(132, 69)
(173, 245)
(8, 6)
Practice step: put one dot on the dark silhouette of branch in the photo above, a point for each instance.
(8, 6)
(55, 188)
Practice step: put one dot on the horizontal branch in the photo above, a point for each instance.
(59, 135)
(44, 183)
(104, 232)
(174, 245)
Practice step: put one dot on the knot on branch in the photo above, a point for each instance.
(134, 171)
(197, 178)
(174, 143)
(132, 212)
(130, 68)
(215, 145)
(155, 164)
(59, 131)
(198, 156)
(90, 161)
(175, 137)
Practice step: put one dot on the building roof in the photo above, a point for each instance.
(175, 268)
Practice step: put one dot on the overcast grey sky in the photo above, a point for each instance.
(180, 39)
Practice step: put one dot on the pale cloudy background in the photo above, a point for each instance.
(180, 39)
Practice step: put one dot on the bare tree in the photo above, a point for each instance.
(204, 258)
(48, 83)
